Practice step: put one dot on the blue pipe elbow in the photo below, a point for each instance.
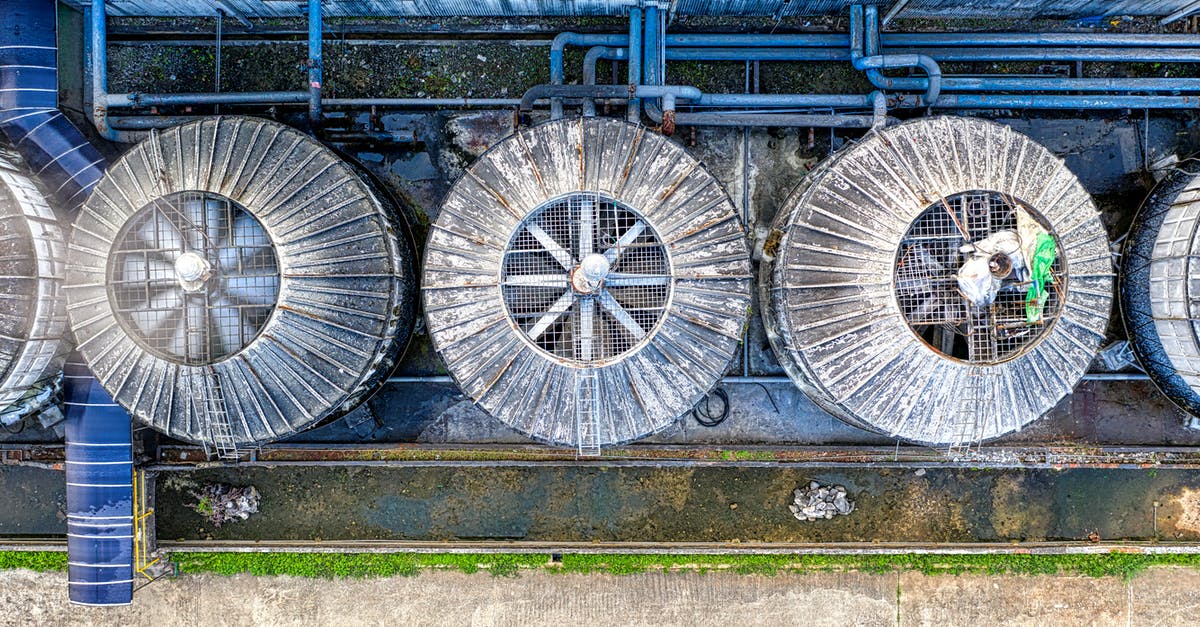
(58, 154)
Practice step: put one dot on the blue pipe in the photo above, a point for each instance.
(55, 151)
(560, 42)
(1059, 101)
(98, 53)
(871, 61)
(757, 54)
(258, 97)
(594, 54)
(633, 112)
(314, 62)
(652, 49)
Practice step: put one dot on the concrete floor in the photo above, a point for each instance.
(1164, 596)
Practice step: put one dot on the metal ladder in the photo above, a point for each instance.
(587, 412)
(214, 418)
(977, 400)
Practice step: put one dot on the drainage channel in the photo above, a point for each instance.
(566, 504)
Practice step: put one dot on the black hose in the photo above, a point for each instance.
(703, 412)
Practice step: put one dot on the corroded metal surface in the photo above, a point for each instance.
(640, 390)
(345, 283)
(1159, 293)
(33, 314)
(829, 295)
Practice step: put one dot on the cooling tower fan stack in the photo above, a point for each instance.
(903, 291)
(232, 281)
(586, 282)
(1160, 286)
(33, 315)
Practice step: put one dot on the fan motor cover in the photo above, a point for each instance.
(1159, 293)
(586, 271)
(33, 315)
(860, 298)
(235, 271)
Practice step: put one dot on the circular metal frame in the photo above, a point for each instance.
(345, 290)
(34, 339)
(1139, 254)
(559, 399)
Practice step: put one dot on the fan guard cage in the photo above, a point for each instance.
(927, 289)
(219, 316)
(554, 307)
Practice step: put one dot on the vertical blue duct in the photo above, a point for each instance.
(57, 153)
(99, 493)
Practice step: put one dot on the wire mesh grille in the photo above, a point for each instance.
(550, 298)
(199, 322)
(926, 280)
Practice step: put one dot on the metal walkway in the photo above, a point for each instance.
(99, 493)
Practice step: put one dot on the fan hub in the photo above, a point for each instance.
(192, 270)
(589, 275)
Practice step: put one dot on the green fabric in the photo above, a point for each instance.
(1044, 255)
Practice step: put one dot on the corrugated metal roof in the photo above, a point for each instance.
(412, 8)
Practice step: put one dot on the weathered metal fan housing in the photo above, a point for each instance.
(233, 281)
(586, 282)
(33, 315)
(860, 297)
(1159, 286)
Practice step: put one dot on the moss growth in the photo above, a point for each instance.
(1114, 564)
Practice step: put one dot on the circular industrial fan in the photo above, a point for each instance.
(1158, 292)
(233, 281)
(901, 293)
(33, 313)
(586, 282)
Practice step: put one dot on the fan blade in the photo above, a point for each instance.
(159, 314)
(587, 226)
(611, 305)
(258, 290)
(561, 306)
(587, 328)
(625, 240)
(157, 232)
(560, 254)
(628, 279)
(538, 280)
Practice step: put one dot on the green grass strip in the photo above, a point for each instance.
(1117, 564)
(34, 560)
(332, 565)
